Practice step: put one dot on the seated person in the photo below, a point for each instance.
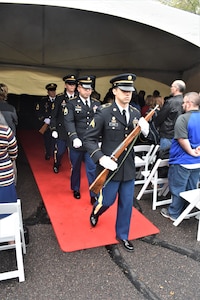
(9, 151)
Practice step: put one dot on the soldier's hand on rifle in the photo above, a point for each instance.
(108, 163)
(54, 134)
(144, 125)
(47, 121)
(77, 143)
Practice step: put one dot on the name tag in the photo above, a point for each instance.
(78, 108)
(113, 124)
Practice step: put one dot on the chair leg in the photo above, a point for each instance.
(155, 191)
(23, 241)
(185, 213)
(198, 229)
(164, 190)
(20, 264)
(139, 196)
(19, 256)
(21, 227)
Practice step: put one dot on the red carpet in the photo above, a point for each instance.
(70, 217)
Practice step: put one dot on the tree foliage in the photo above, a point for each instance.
(192, 6)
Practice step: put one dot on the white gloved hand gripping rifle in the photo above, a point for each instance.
(144, 125)
(106, 162)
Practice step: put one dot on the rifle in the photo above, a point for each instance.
(98, 183)
(43, 128)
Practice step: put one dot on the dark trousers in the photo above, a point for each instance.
(125, 192)
(76, 158)
(48, 143)
(60, 147)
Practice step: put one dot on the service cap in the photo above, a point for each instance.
(86, 81)
(70, 79)
(124, 82)
(51, 86)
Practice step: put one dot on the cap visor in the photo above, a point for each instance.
(86, 86)
(126, 88)
(70, 82)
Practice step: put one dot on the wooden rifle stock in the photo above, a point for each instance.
(43, 128)
(98, 183)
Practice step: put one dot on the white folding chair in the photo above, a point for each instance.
(156, 181)
(193, 197)
(142, 161)
(153, 154)
(11, 229)
(152, 159)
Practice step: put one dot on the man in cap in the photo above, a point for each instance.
(70, 90)
(114, 121)
(43, 112)
(58, 129)
(81, 110)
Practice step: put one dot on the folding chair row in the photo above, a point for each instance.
(144, 158)
(11, 229)
(160, 184)
(191, 196)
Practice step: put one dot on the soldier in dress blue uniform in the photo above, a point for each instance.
(43, 112)
(81, 111)
(114, 121)
(58, 129)
(70, 90)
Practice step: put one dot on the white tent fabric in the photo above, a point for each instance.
(148, 12)
(42, 41)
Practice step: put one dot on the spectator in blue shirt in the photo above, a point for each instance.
(184, 160)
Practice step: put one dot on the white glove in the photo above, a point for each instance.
(47, 121)
(144, 126)
(108, 163)
(54, 134)
(77, 143)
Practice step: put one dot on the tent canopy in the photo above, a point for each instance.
(96, 37)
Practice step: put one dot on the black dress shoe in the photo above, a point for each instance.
(93, 200)
(127, 245)
(93, 219)
(55, 169)
(77, 195)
